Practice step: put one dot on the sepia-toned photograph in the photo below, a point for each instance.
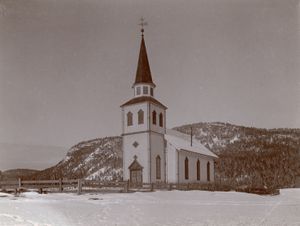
(149, 112)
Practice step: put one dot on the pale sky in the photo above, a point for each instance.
(67, 65)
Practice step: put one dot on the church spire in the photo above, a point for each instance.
(143, 73)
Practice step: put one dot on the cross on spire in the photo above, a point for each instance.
(142, 24)
(143, 73)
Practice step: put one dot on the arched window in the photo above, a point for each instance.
(129, 119)
(186, 168)
(154, 117)
(158, 167)
(208, 171)
(141, 117)
(161, 120)
(198, 169)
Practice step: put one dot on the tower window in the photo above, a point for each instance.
(158, 167)
(154, 117)
(140, 117)
(129, 119)
(161, 120)
(151, 91)
(208, 171)
(186, 168)
(198, 169)
(145, 89)
(138, 90)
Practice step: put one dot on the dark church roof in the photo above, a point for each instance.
(143, 73)
(143, 99)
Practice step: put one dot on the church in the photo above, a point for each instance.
(151, 152)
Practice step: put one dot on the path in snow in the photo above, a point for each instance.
(151, 208)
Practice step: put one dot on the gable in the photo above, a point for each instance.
(135, 165)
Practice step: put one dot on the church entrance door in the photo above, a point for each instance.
(136, 173)
(136, 177)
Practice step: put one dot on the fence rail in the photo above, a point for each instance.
(60, 185)
(80, 184)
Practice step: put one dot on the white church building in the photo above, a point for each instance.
(152, 153)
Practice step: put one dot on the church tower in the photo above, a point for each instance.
(143, 128)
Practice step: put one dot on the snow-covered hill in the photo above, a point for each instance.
(247, 155)
(99, 159)
(217, 136)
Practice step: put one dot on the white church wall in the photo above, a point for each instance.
(141, 151)
(203, 170)
(134, 109)
(193, 158)
(157, 148)
(158, 110)
(212, 170)
(171, 155)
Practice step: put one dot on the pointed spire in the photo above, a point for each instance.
(143, 73)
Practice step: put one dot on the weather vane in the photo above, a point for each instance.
(142, 24)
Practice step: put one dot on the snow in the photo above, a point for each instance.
(215, 139)
(97, 173)
(91, 157)
(203, 133)
(151, 208)
(234, 139)
(104, 174)
(97, 151)
(67, 158)
(77, 167)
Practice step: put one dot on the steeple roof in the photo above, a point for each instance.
(142, 99)
(143, 73)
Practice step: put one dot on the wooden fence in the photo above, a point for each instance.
(41, 185)
(80, 185)
(297, 182)
(61, 185)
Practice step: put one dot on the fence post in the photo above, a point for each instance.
(20, 183)
(126, 187)
(152, 187)
(79, 188)
(60, 185)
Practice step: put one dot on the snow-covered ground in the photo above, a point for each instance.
(151, 208)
